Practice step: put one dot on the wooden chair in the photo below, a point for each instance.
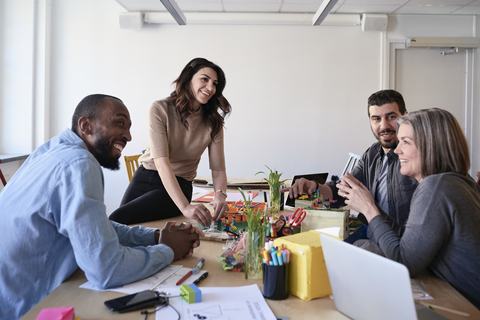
(351, 163)
(131, 162)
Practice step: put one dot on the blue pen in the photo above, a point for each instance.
(196, 269)
(279, 257)
(274, 258)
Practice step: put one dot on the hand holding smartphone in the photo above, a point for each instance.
(139, 300)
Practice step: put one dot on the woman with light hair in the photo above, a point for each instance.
(442, 230)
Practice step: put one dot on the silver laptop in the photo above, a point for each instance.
(368, 286)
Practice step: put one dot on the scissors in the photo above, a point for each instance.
(297, 218)
(279, 224)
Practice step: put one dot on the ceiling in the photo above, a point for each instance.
(467, 7)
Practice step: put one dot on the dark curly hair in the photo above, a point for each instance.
(382, 97)
(217, 108)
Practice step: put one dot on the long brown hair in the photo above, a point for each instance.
(217, 108)
(441, 144)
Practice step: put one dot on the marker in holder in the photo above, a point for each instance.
(275, 282)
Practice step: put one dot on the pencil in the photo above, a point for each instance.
(448, 310)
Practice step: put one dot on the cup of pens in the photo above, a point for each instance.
(275, 267)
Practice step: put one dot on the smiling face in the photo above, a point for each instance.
(408, 153)
(110, 133)
(383, 122)
(203, 85)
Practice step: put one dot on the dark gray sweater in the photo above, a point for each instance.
(442, 233)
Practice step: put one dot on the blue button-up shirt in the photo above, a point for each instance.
(53, 221)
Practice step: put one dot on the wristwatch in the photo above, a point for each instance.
(223, 192)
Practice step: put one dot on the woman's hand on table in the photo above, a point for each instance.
(357, 196)
(199, 213)
(220, 208)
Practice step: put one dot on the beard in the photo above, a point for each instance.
(387, 144)
(104, 156)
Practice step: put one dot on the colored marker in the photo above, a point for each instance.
(196, 269)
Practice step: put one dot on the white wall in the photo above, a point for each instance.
(298, 92)
(291, 88)
(16, 75)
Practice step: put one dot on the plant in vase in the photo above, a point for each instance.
(275, 185)
(257, 227)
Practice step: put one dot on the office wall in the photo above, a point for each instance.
(298, 92)
(16, 75)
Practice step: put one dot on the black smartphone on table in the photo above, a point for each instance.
(139, 300)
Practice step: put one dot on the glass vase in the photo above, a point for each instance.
(275, 201)
(253, 255)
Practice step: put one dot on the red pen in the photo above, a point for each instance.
(195, 270)
(189, 273)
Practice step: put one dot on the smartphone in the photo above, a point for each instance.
(140, 300)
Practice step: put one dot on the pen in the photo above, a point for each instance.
(195, 270)
(434, 307)
(203, 276)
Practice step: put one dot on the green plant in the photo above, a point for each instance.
(256, 220)
(275, 185)
(257, 227)
(273, 178)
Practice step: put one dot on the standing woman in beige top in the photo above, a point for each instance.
(180, 128)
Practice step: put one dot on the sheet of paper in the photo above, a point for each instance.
(197, 190)
(221, 303)
(333, 231)
(231, 196)
(160, 281)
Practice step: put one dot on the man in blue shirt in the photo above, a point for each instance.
(54, 219)
(379, 167)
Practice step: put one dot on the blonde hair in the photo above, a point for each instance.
(441, 143)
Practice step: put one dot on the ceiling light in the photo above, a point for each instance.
(175, 11)
(323, 11)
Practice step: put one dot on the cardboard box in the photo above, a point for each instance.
(324, 218)
(307, 272)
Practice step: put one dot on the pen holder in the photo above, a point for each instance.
(275, 282)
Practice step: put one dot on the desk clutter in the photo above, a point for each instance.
(300, 270)
(275, 273)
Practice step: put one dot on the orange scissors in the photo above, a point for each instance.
(297, 218)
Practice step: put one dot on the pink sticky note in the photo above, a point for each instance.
(65, 313)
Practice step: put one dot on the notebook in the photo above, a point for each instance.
(367, 286)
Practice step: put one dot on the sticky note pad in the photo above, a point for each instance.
(307, 272)
(65, 313)
(191, 293)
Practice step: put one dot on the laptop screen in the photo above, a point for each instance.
(367, 286)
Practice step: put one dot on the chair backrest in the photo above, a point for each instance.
(353, 159)
(131, 162)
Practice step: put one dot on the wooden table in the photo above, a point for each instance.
(89, 304)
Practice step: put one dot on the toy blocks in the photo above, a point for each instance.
(190, 293)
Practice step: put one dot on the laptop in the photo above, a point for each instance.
(367, 286)
(319, 177)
